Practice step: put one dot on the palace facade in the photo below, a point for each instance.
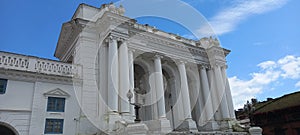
(115, 76)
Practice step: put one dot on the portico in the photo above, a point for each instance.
(162, 87)
(180, 84)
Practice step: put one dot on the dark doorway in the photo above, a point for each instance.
(6, 131)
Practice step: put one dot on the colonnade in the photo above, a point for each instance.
(216, 96)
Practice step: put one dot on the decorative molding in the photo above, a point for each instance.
(56, 93)
(113, 9)
(34, 77)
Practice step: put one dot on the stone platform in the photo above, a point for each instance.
(208, 133)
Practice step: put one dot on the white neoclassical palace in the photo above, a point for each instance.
(115, 76)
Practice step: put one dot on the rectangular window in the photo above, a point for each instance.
(56, 104)
(54, 126)
(3, 83)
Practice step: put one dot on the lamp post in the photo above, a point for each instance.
(136, 107)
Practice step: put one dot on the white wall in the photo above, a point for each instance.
(15, 105)
(24, 107)
(18, 96)
(39, 113)
(20, 121)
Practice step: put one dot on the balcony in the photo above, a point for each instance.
(38, 65)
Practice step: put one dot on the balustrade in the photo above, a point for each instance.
(21, 62)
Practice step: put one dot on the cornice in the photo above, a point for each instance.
(167, 51)
(34, 77)
(154, 38)
(68, 34)
(215, 50)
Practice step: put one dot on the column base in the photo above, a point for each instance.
(127, 117)
(137, 128)
(192, 126)
(113, 117)
(225, 125)
(255, 131)
(160, 126)
(188, 125)
(165, 125)
(210, 126)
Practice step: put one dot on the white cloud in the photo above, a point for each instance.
(267, 64)
(227, 20)
(270, 72)
(243, 90)
(291, 67)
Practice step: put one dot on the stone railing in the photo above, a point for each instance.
(152, 29)
(35, 64)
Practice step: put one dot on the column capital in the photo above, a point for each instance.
(131, 49)
(209, 67)
(180, 61)
(158, 55)
(123, 40)
(204, 66)
(225, 67)
(219, 64)
(112, 38)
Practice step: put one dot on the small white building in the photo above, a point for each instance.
(105, 58)
(37, 95)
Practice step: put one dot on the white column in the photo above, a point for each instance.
(154, 98)
(131, 80)
(206, 95)
(221, 92)
(184, 90)
(215, 99)
(159, 87)
(228, 93)
(113, 74)
(123, 78)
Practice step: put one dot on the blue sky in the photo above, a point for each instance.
(263, 36)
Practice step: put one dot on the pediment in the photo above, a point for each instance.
(56, 93)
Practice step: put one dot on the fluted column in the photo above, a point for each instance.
(131, 79)
(184, 90)
(123, 78)
(207, 100)
(113, 74)
(159, 87)
(228, 93)
(221, 92)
